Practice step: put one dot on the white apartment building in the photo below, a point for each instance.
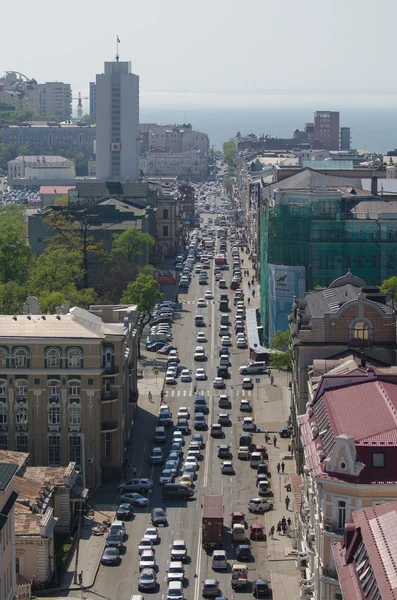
(185, 165)
(173, 138)
(55, 99)
(117, 123)
(40, 167)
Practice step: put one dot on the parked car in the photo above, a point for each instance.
(259, 505)
(124, 512)
(111, 556)
(159, 517)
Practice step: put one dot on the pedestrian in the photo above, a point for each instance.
(283, 521)
(289, 521)
(275, 441)
(134, 471)
(284, 528)
(252, 281)
(279, 527)
(81, 578)
(287, 501)
(249, 285)
(242, 261)
(278, 468)
(272, 530)
(272, 379)
(249, 300)
(253, 293)
(282, 467)
(150, 396)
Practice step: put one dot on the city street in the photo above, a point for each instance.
(184, 518)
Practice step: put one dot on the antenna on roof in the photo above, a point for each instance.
(117, 49)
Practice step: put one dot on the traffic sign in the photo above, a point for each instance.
(255, 345)
(156, 372)
(257, 380)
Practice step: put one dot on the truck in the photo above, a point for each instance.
(224, 303)
(212, 523)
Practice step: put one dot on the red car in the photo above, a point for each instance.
(257, 532)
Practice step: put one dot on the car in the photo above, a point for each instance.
(224, 419)
(111, 556)
(210, 587)
(183, 413)
(203, 280)
(223, 401)
(167, 476)
(197, 437)
(217, 431)
(152, 534)
(199, 354)
(253, 368)
(186, 375)
(159, 517)
(177, 438)
(226, 340)
(147, 580)
(179, 550)
(172, 465)
(261, 589)
(247, 383)
(145, 544)
(257, 532)
(124, 512)
(187, 479)
(219, 560)
(175, 571)
(222, 284)
(176, 448)
(200, 404)
(135, 499)
(243, 453)
(248, 424)
(155, 346)
(223, 451)
(200, 375)
(170, 379)
(201, 338)
(183, 426)
(190, 469)
(227, 468)
(166, 349)
(223, 372)
(219, 383)
(147, 560)
(175, 590)
(201, 303)
(174, 456)
(218, 277)
(192, 461)
(208, 295)
(156, 456)
(238, 517)
(245, 405)
(223, 331)
(241, 343)
(200, 421)
(114, 540)
(243, 553)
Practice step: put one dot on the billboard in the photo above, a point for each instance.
(167, 277)
(284, 282)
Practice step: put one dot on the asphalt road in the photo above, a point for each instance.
(185, 517)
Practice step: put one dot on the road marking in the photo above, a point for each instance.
(173, 393)
(184, 392)
(179, 393)
(197, 582)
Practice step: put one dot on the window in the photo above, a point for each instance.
(361, 331)
(3, 358)
(17, 565)
(3, 413)
(341, 513)
(21, 416)
(107, 358)
(74, 415)
(21, 442)
(74, 358)
(75, 449)
(165, 230)
(74, 389)
(378, 460)
(54, 450)
(108, 446)
(54, 415)
(165, 213)
(20, 358)
(3, 441)
(53, 358)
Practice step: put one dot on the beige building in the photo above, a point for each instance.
(191, 165)
(172, 138)
(68, 386)
(349, 440)
(41, 168)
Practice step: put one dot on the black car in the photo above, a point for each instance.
(166, 349)
(124, 512)
(261, 589)
(243, 552)
(223, 371)
(164, 420)
(111, 556)
(224, 451)
(183, 426)
(159, 517)
(224, 350)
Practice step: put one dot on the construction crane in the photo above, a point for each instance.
(80, 99)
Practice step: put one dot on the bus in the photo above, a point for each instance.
(220, 260)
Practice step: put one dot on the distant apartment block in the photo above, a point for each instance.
(345, 138)
(326, 129)
(191, 165)
(93, 99)
(172, 138)
(55, 99)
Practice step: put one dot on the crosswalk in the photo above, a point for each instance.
(174, 393)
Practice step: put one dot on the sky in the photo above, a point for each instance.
(213, 52)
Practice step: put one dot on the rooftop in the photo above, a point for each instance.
(7, 472)
(43, 159)
(26, 522)
(55, 189)
(16, 458)
(308, 179)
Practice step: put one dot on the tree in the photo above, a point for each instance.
(56, 270)
(282, 359)
(12, 297)
(15, 253)
(132, 243)
(62, 200)
(228, 183)
(389, 286)
(145, 292)
(229, 152)
(88, 119)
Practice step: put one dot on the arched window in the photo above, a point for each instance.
(3, 358)
(165, 213)
(74, 358)
(108, 358)
(53, 358)
(74, 388)
(20, 358)
(361, 330)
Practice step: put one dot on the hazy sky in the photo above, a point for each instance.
(217, 49)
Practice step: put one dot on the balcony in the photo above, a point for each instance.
(109, 426)
(109, 396)
(329, 573)
(108, 369)
(333, 527)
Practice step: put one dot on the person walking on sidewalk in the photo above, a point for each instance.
(271, 379)
(271, 532)
(282, 467)
(81, 578)
(289, 521)
(275, 442)
(287, 502)
(249, 285)
(279, 527)
(278, 468)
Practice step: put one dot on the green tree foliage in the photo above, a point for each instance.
(62, 200)
(12, 297)
(9, 152)
(132, 243)
(88, 119)
(15, 253)
(145, 292)
(389, 286)
(282, 359)
(55, 271)
(228, 183)
(229, 152)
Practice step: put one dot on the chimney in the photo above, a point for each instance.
(374, 185)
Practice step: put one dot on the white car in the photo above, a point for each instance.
(219, 383)
(200, 375)
(227, 468)
(208, 295)
(218, 276)
(172, 371)
(175, 571)
(226, 341)
(245, 406)
(201, 337)
(219, 560)
(186, 375)
(241, 343)
(175, 590)
(199, 353)
(259, 505)
(248, 424)
(247, 383)
(191, 460)
(152, 533)
(147, 560)
(145, 544)
(183, 413)
(201, 303)
(243, 453)
(179, 550)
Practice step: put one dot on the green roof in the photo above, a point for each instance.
(7, 472)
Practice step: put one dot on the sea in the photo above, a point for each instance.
(373, 122)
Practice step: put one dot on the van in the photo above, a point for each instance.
(255, 460)
(245, 439)
(159, 435)
(117, 527)
(238, 532)
(176, 490)
(225, 320)
(199, 320)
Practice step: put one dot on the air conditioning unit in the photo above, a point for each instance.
(115, 147)
(90, 461)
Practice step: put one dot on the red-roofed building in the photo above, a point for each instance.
(50, 193)
(366, 557)
(349, 439)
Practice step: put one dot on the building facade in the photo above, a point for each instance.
(68, 387)
(345, 138)
(8, 497)
(117, 118)
(168, 223)
(326, 128)
(172, 138)
(43, 138)
(184, 165)
(40, 167)
(92, 99)
(55, 99)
